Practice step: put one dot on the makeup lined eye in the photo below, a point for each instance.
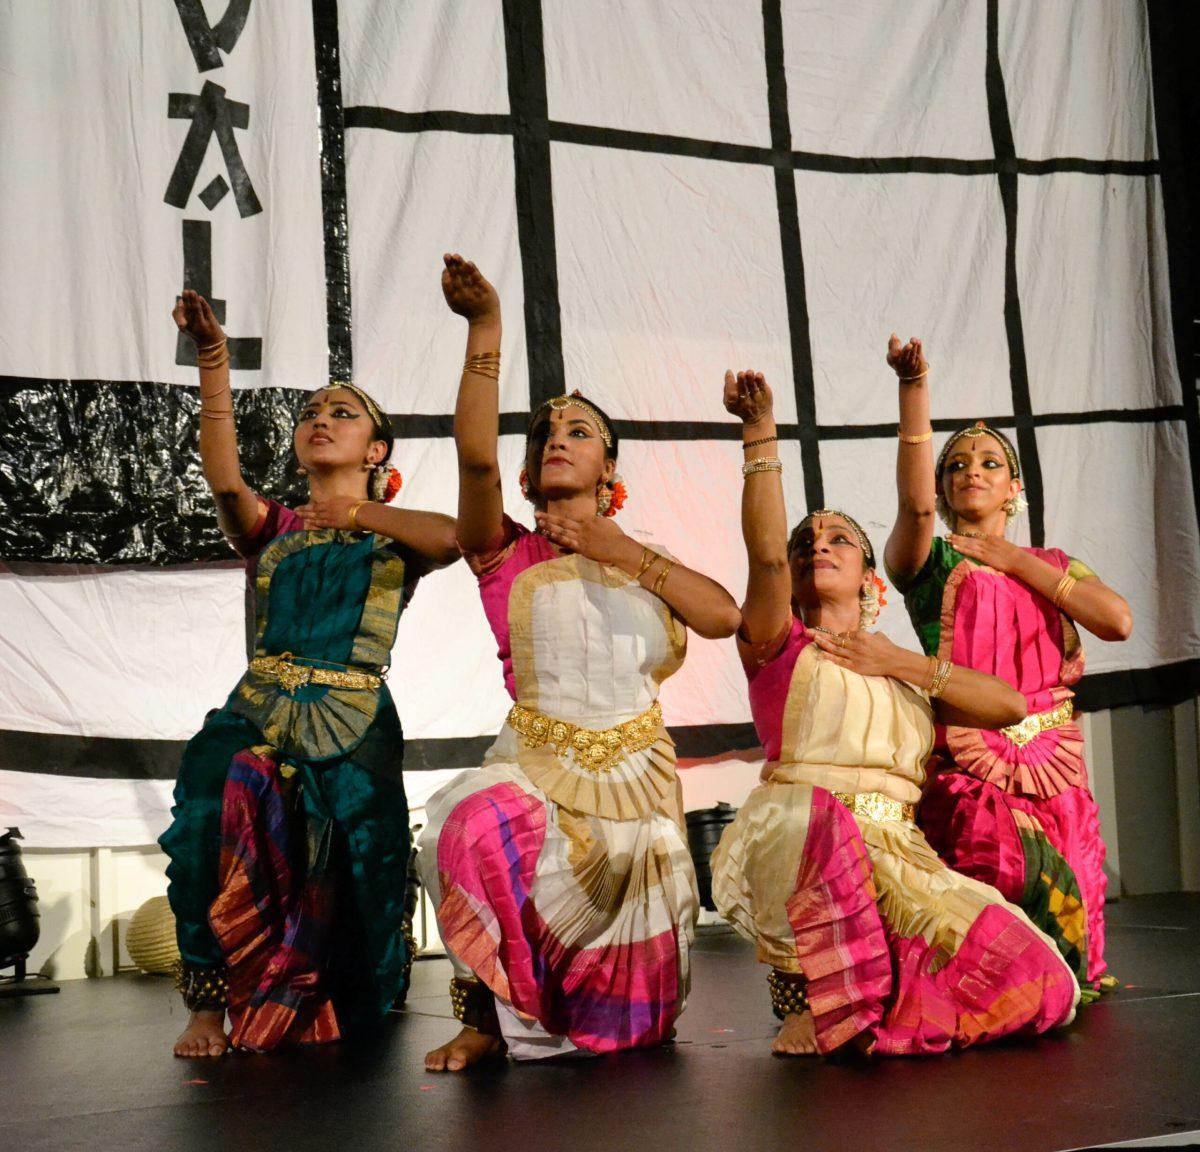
(345, 413)
(584, 433)
(307, 414)
(988, 462)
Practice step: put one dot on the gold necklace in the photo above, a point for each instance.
(841, 636)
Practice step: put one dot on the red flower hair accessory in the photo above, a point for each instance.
(870, 601)
(386, 481)
(394, 483)
(880, 589)
(617, 496)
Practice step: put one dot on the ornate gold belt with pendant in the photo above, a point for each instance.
(596, 748)
(293, 676)
(877, 806)
(1033, 726)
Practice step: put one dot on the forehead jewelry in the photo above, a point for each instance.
(373, 410)
(859, 534)
(558, 403)
(979, 428)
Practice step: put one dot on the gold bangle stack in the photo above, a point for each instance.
(216, 413)
(483, 364)
(656, 587)
(1064, 589)
(211, 356)
(913, 379)
(648, 558)
(762, 464)
(923, 438)
(352, 515)
(760, 442)
(941, 678)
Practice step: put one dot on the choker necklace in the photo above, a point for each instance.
(975, 535)
(842, 636)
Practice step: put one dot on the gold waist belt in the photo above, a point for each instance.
(596, 749)
(1033, 726)
(292, 676)
(877, 806)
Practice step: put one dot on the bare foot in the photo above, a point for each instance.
(467, 1048)
(797, 1037)
(204, 1036)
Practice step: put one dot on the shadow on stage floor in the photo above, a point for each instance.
(91, 1069)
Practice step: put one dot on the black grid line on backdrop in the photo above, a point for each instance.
(533, 131)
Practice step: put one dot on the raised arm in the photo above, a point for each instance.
(429, 535)
(237, 505)
(767, 607)
(907, 547)
(967, 698)
(1088, 601)
(477, 412)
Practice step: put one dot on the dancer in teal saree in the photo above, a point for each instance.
(290, 841)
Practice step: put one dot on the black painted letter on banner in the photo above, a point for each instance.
(210, 113)
(245, 352)
(208, 41)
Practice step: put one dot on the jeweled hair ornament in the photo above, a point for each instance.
(979, 428)
(575, 400)
(855, 527)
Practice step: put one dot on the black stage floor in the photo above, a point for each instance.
(91, 1069)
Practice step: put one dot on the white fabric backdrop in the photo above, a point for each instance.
(669, 270)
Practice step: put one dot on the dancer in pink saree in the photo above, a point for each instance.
(564, 885)
(1009, 807)
(871, 939)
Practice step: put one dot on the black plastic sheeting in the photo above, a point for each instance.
(96, 472)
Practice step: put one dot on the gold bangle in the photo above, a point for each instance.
(940, 679)
(648, 558)
(762, 464)
(921, 439)
(657, 585)
(226, 415)
(352, 515)
(483, 364)
(1064, 589)
(212, 365)
(756, 443)
(910, 379)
